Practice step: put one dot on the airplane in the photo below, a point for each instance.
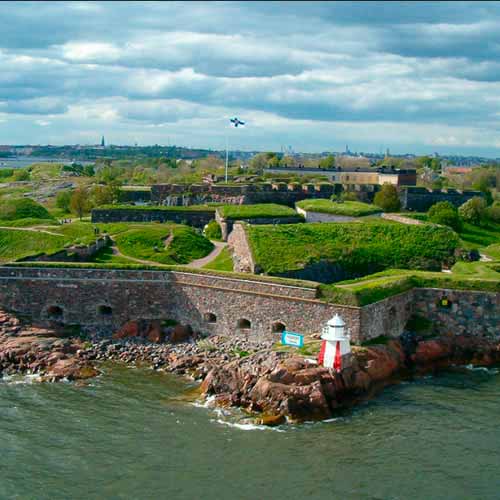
(236, 121)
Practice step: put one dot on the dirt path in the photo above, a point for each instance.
(31, 229)
(117, 252)
(219, 246)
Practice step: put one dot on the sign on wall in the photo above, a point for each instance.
(292, 338)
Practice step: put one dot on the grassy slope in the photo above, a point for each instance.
(223, 262)
(348, 208)
(355, 246)
(12, 209)
(185, 246)
(264, 210)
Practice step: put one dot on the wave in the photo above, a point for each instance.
(483, 369)
(20, 379)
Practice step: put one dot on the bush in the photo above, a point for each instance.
(22, 208)
(473, 211)
(493, 213)
(21, 175)
(446, 214)
(387, 199)
(213, 231)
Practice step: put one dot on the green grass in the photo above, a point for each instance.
(379, 286)
(475, 269)
(149, 243)
(45, 171)
(223, 261)
(357, 248)
(21, 208)
(18, 244)
(493, 251)
(478, 237)
(105, 256)
(471, 236)
(347, 208)
(263, 210)
(28, 222)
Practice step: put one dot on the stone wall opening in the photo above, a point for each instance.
(210, 318)
(105, 310)
(244, 324)
(278, 327)
(54, 312)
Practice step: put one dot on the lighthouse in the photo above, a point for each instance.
(335, 344)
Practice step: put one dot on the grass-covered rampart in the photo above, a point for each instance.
(257, 211)
(358, 249)
(347, 208)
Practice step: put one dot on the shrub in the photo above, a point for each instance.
(387, 199)
(446, 214)
(493, 213)
(21, 175)
(213, 231)
(473, 211)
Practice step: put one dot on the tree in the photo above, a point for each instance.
(21, 175)
(473, 211)
(80, 203)
(387, 199)
(446, 214)
(328, 162)
(63, 200)
(274, 162)
(105, 195)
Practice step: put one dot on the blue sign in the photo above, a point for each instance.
(292, 338)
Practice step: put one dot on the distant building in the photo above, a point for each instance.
(103, 144)
(355, 175)
(454, 169)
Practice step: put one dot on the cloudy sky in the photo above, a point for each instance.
(412, 77)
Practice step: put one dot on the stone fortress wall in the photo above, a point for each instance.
(106, 299)
(196, 218)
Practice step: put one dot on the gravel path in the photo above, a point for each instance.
(219, 246)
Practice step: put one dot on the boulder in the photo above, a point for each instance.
(181, 333)
(129, 329)
(155, 333)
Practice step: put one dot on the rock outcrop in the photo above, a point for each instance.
(43, 351)
(284, 384)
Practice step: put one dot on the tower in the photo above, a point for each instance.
(103, 144)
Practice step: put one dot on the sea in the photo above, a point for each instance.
(138, 434)
(26, 161)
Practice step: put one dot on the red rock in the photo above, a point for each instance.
(129, 329)
(429, 351)
(181, 333)
(155, 333)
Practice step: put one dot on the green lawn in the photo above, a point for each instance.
(347, 208)
(358, 248)
(12, 209)
(262, 210)
(223, 262)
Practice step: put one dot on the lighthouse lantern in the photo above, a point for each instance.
(335, 344)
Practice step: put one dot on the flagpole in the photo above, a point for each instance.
(227, 156)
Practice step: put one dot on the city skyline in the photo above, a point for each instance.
(413, 78)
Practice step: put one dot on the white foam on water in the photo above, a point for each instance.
(20, 379)
(489, 371)
(248, 427)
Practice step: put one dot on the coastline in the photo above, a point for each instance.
(273, 386)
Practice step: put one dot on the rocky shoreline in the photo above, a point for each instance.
(274, 385)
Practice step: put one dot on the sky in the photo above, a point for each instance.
(417, 77)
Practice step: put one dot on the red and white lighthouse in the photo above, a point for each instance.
(335, 344)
